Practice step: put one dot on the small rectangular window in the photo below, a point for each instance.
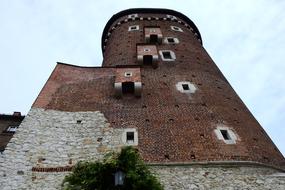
(11, 129)
(133, 16)
(176, 28)
(128, 74)
(134, 27)
(185, 86)
(225, 134)
(170, 40)
(167, 55)
(171, 16)
(130, 137)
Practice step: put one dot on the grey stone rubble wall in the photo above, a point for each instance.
(215, 177)
(48, 138)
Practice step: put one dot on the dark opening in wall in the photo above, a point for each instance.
(166, 156)
(170, 40)
(166, 55)
(128, 87)
(225, 134)
(147, 59)
(130, 136)
(185, 86)
(193, 156)
(153, 39)
(99, 139)
(78, 121)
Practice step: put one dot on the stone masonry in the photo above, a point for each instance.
(49, 141)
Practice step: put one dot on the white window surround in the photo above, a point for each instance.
(232, 137)
(128, 74)
(171, 16)
(172, 55)
(124, 137)
(176, 28)
(191, 87)
(134, 27)
(175, 40)
(12, 128)
(133, 16)
(146, 49)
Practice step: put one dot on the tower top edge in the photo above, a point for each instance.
(145, 11)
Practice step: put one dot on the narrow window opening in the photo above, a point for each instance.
(128, 88)
(185, 87)
(176, 28)
(225, 134)
(130, 137)
(170, 40)
(166, 55)
(153, 38)
(78, 121)
(128, 74)
(147, 59)
(134, 27)
(11, 129)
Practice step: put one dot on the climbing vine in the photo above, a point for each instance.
(101, 175)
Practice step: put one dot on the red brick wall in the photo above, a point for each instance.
(172, 126)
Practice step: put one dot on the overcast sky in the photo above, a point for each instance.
(246, 39)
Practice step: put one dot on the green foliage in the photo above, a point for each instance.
(100, 175)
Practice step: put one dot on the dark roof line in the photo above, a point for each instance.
(99, 67)
(147, 10)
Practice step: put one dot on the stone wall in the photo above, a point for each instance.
(219, 177)
(48, 143)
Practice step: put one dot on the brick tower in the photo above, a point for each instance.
(157, 90)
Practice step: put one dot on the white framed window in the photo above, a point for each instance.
(171, 40)
(11, 129)
(171, 16)
(130, 136)
(176, 28)
(133, 16)
(186, 87)
(167, 55)
(134, 27)
(146, 50)
(226, 134)
(128, 74)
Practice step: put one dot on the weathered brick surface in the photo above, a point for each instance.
(135, 77)
(172, 126)
(5, 122)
